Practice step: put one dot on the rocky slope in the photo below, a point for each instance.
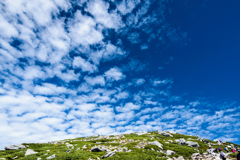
(141, 145)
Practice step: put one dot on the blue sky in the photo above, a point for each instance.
(78, 68)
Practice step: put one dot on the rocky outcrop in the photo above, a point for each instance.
(15, 146)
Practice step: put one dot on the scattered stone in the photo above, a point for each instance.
(15, 157)
(109, 154)
(29, 152)
(192, 144)
(169, 152)
(68, 151)
(27, 146)
(39, 158)
(98, 142)
(3, 158)
(48, 150)
(15, 146)
(51, 157)
(156, 143)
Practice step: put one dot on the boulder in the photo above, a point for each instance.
(192, 144)
(14, 147)
(39, 158)
(169, 152)
(29, 152)
(51, 157)
(156, 143)
(109, 154)
(181, 141)
(97, 149)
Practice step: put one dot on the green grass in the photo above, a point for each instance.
(136, 153)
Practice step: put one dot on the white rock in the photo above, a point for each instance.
(29, 152)
(181, 141)
(156, 143)
(14, 147)
(192, 144)
(39, 158)
(51, 157)
(169, 152)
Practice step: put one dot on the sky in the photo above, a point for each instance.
(74, 68)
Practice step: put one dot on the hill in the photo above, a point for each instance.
(135, 146)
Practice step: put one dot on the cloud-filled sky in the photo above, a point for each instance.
(78, 68)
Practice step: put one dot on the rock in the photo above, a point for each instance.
(39, 158)
(14, 147)
(181, 141)
(97, 149)
(109, 154)
(164, 133)
(51, 157)
(98, 142)
(68, 151)
(15, 157)
(48, 150)
(156, 143)
(192, 144)
(27, 146)
(29, 152)
(169, 152)
(3, 158)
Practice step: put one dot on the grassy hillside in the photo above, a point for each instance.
(126, 147)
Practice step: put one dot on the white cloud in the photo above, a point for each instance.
(85, 66)
(126, 6)
(139, 81)
(122, 95)
(128, 107)
(51, 89)
(114, 74)
(95, 80)
(99, 9)
(144, 46)
(82, 30)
